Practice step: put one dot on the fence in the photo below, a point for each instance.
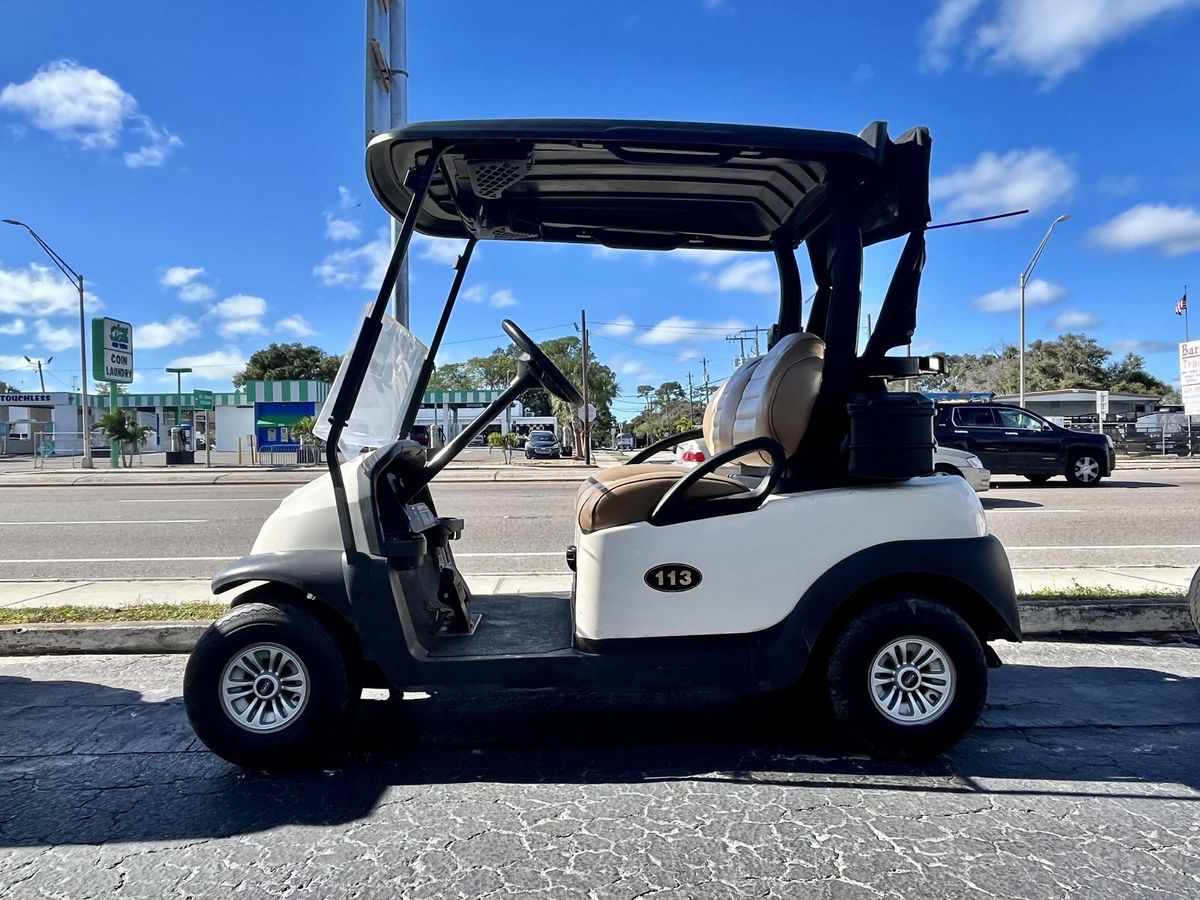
(63, 449)
(289, 455)
(1129, 440)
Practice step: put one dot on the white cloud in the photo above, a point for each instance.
(346, 199)
(636, 370)
(704, 257)
(1049, 40)
(1172, 230)
(1020, 179)
(154, 335)
(478, 293)
(618, 327)
(296, 325)
(196, 292)
(159, 144)
(1053, 39)
(240, 314)
(757, 276)
(39, 291)
(502, 298)
(76, 103)
(46, 335)
(341, 229)
(676, 329)
(357, 267)
(685, 355)
(240, 306)
(73, 102)
(184, 278)
(1137, 345)
(943, 32)
(1069, 319)
(1117, 185)
(438, 250)
(178, 276)
(12, 363)
(1038, 292)
(218, 365)
(16, 326)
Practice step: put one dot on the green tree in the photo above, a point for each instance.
(102, 388)
(122, 426)
(567, 354)
(6, 388)
(506, 443)
(289, 362)
(451, 377)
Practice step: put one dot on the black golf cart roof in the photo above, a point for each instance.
(651, 185)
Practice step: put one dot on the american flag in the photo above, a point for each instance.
(1181, 306)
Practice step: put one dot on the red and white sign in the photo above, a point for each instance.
(1189, 376)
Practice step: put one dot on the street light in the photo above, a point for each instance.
(1024, 281)
(179, 373)
(39, 364)
(77, 280)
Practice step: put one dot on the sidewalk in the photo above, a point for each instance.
(1131, 581)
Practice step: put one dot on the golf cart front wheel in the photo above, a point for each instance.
(267, 686)
(907, 678)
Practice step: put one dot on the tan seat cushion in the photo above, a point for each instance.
(622, 495)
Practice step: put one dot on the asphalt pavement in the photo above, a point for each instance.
(1080, 780)
(1142, 518)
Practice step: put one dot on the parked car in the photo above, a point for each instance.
(1013, 441)
(478, 441)
(542, 445)
(624, 441)
(951, 461)
(431, 437)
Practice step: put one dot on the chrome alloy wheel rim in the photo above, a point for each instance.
(912, 680)
(264, 688)
(1086, 468)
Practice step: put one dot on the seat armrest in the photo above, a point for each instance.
(666, 443)
(675, 507)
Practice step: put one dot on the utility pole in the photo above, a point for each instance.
(587, 431)
(387, 99)
(38, 363)
(691, 402)
(741, 342)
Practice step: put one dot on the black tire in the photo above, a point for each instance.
(333, 687)
(849, 679)
(1084, 468)
(1194, 600)
(1038, 479)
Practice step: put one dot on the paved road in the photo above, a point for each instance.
(1081, 781)
(1139, 518)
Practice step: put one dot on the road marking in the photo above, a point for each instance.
(1111, 547)
(134, 559)
(111, 522)
(205, 500)
(989, 510)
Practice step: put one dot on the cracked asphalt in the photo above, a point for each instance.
(1081, 781)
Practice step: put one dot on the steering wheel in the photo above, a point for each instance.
(550, 375)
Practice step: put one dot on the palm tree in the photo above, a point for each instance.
(123, 427)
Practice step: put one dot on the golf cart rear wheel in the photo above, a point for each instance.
(907, 678)
(267, 687)
(1083, 470)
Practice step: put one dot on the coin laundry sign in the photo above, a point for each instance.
(112, 351)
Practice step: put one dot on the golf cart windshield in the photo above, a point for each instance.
(387, 390)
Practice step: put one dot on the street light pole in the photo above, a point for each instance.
(1024, 280)
(77, 280)
(179, 373)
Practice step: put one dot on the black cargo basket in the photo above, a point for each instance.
(891, 437)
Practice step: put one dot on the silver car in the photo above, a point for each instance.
(951, 461)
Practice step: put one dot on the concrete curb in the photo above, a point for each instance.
(1038, 617)
(449, 476)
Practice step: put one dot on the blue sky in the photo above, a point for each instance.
(203, 169)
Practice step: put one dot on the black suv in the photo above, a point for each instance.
(1013, 441)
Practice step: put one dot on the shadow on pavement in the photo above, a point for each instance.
(82, 763)
(997, 503)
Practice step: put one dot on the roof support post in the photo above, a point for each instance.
(790, 299)
(419, 179)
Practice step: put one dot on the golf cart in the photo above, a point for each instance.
(814, 539)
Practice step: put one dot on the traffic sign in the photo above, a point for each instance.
(202, 399)
(112, 351)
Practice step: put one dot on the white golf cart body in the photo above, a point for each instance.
(683, 579)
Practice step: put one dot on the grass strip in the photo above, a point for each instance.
(146, 612)
(204, 612)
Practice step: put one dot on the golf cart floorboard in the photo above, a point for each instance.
(512, 625)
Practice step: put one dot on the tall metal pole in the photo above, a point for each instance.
(398, 107)
(587, 430)
(1024, 281)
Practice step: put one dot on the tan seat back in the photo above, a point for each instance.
(770, 395)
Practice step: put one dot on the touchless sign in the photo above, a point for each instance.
(112, 351)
